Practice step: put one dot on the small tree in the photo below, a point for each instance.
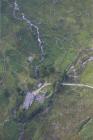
(6, 93)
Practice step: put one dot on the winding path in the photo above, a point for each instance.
(31, 96)
(36, 92)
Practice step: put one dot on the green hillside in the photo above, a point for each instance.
(66, 33)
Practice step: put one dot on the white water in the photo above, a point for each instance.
(30, 96)
(23, 17)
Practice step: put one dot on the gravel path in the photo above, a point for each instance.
(77, 85)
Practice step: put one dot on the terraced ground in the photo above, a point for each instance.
(66, 33)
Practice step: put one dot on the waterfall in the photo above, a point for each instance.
(23, 18)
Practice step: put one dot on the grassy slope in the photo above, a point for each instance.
(87, 75)
(66, 27)
(70, 20)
